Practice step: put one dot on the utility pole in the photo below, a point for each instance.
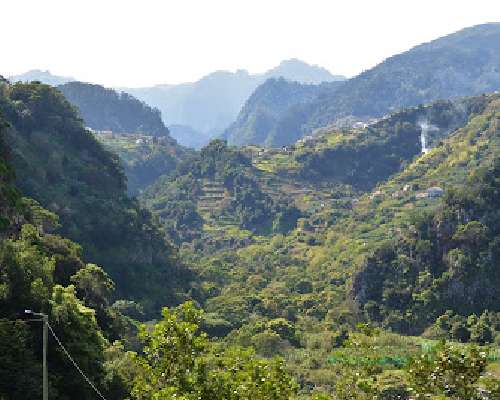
(45, 321)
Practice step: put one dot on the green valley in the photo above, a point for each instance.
(340, 241)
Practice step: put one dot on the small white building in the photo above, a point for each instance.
(435, 191)
(422, 195)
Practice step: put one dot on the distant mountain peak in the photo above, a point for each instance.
(297, 70)
(42, 76)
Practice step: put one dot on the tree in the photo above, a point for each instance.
(447, 371)
(481, 332)
(177, 362)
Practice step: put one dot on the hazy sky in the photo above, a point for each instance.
(144, 42)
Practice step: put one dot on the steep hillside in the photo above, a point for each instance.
(443, 257)
(61, 165)
(209, 105)
(129, 128)
(362, 157)
(465, 63)
(269, 103)
(45, 272)
(104, 109)
(215, 191)
(144, 158)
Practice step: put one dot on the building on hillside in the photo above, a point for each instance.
(435, 191)
(359, 125)
(422, 195)
(376, 195)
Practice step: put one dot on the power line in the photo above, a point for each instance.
(74, 363)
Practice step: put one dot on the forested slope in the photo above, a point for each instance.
(61, 165)
(105, 109)
(273, 101)
(464, 63)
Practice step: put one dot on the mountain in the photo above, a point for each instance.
(105, 109)
(298, 71)
(41, 76)
(273, 101)
(465, 63)
(215, 190)
(129, 128)
(61, 165)
(336, 269)
(144, 158)
(212, 103)
(188, 137)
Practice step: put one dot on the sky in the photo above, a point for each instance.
(145, 42)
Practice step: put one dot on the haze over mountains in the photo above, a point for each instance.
(42, 76)
(464, 63)
(272, 102)
(204, 109)
(209, 105)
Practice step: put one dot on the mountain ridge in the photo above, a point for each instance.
(463, 63)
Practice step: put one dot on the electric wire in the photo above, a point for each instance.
(74, 363)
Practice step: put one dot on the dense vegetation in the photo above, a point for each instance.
(62, 166)
(445, 262)
(335, 252)
(386, 259)
(364, 158)
(271, 102)
(461, 64)
(45, 272)
(107, 110)
(218, 183)
(144, 158)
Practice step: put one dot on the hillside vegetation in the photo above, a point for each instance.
(61, 165)
(359, 263)
(216, 190)
(397, 259)
(105, 109)
(271, 102)
(464, 63)
(209, 105)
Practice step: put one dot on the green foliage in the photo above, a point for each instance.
(448, 67)
(270, 103)
(20, 375)
(220, 181)
(449, 372)
(106, 109)
(63, 167)
(177, 362)
(30, 279)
